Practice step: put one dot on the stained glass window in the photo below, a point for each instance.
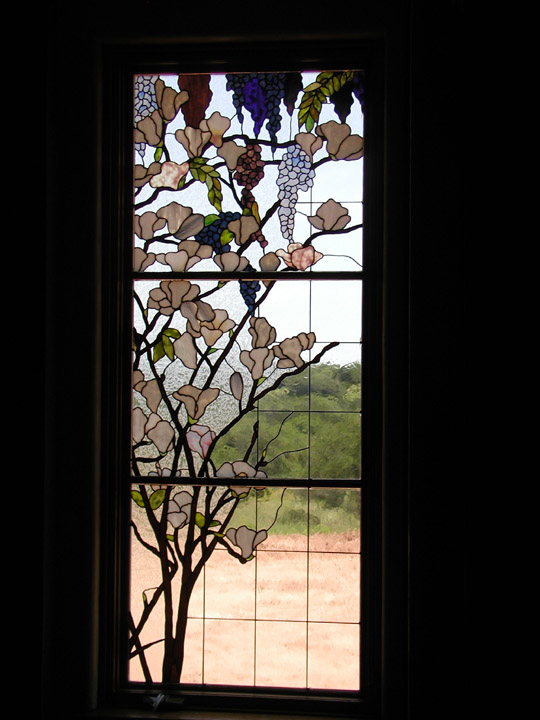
(245, 465)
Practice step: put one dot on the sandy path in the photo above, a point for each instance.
(287, 619)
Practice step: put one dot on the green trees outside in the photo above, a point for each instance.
(324, 431)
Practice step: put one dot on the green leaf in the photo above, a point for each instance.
(261, 380)
(199, 520)
(212, 350)
(191, 420)
(170, 538)
(226, 237)
(156, 499)
(316, 94)
(159, 351)
(214, 194)
(172, 332)
(255, 212)
(214, 523)
(137, 497)
(158, 153)
(209, 219)
(168, 347)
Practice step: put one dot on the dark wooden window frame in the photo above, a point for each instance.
(119, 63)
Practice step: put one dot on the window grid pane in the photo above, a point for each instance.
(247, 341)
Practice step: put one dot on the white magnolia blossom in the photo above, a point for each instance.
(246, 539)
(179, 509)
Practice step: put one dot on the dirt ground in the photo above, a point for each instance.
(286, 619)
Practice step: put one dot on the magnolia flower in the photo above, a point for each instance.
(169, 100)
(160, 432)
(330, 216)
(152, 394)
(246, 539)
(212, 331)
(137, 378)
(189, 253)
(262, 333)
(237, 385)
(243, 228)
(179, 509)
(231, 262)
(193, 140)
(309, 143)
(162, 473)
(184, 348)
(341, 145)
(269, 262)
(147, 224)
(182, 221)
(288, 351)
(230, 152)
(142, 175)
(257, 360)
(199, 438)
(299, 257)
(240, 468)
(149, 130)
(196, 313)
(195, 399)
(170, 175)
(138, 424)
(217, 125)
(142, 260)
(171, 294)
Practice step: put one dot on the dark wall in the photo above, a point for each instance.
(424, 573)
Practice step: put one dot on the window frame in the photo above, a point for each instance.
(119, 63)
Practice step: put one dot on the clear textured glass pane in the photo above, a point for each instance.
(281, 654)
(282, 585)
(333, 656)
(334, 520)
(228, 588)
(334, 587)
(229, 651)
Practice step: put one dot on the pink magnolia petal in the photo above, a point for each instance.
(162, 435)
(137, 425)
(170, 175)
(305, 257)
(185, 349)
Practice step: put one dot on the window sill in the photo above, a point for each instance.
(198, 715)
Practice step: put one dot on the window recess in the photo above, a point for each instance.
(240, 492)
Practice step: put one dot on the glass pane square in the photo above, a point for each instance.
(333, 656)
(281, 654)
(282, 585)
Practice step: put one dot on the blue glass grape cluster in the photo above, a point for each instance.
(261, 95)
(249, 290)
(211, 234)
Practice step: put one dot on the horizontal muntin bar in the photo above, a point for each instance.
(312, 484)
(249, 276)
